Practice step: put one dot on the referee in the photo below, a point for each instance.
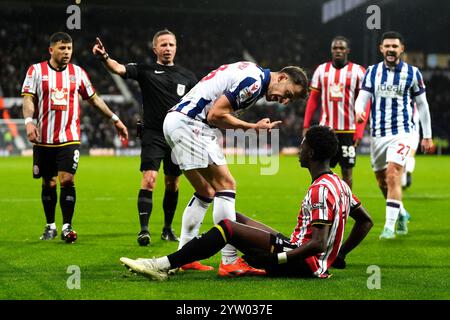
(162, 85)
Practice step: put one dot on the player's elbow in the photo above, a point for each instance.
(214, 119)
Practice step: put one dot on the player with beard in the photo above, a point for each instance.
(393, 86)
(51, 93)
(336, 84)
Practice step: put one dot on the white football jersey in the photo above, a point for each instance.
(243, 83)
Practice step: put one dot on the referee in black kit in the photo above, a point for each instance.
(162, 85)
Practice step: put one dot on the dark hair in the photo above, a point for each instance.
(161, 33)
(60, 36)
(341, 38)
(323, 141)
(298, 76)
(392, 35)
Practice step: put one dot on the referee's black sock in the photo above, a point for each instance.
(49, 198)
(67, 200)
(203, 246)
(169, 206)
(145, 206)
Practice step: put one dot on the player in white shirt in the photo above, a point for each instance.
(189, 131)
(393, 86)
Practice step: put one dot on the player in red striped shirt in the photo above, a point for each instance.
(51, 93)
(336, 84)
(315, 244)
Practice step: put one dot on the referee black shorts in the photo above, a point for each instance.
(281, 243)
(154, 150)
(346, 155)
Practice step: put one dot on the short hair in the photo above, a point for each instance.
(298, 76)
(392, 35)
(161, 33)
(60, 36)
(323, 141)
(341, 38)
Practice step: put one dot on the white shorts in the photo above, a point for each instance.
(194, 144)
(389, 149)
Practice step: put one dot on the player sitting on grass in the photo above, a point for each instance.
(314, 245)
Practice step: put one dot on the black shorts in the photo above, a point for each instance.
(154, 149)
(48, 161)
(281, 243)
(346, 155)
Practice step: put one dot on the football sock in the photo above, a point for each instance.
(67, 200)
(224, 208)
(163, 263)
(202, 247)
(392, 212)
(49, 199)
(193, 217)
(145, 206)
(169, 206)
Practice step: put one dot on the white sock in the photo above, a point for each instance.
(193, 216)
(410, 164)
(52, 225)
(224, 208)
(163, 263)
(404, 181)
(65, 226)
(392, 212)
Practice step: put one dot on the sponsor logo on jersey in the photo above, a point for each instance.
(181, 89)
(316, 206)
(390, 90)
(159, 71)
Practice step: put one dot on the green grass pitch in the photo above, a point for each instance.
(414, 266)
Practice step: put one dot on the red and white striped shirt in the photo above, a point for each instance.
(57, 108)
(329, 201)
(339, 89)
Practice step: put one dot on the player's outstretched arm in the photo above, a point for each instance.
(111, 64)
(98, 102)
(362, 226)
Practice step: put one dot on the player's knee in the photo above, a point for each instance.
(206, 191)
(66, 183)
(226, 226)
(148, 182)
(49, 183)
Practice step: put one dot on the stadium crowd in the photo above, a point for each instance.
(24, 39)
